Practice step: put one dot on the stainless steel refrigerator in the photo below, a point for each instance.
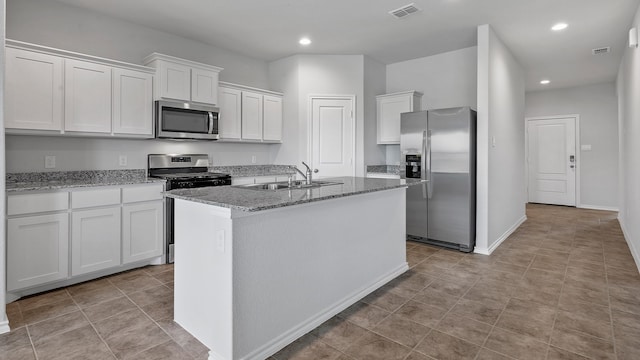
(439, 146)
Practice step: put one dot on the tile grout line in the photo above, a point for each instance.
(33, 346)
(93, 326)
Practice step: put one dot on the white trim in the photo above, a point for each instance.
(501, 239)
(634, 252)
(598, 207)
(287, 338)
(4, 327)
(576, 117)
(310, 124)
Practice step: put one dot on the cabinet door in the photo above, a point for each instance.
(272, 118)
(251, 116)
(132, 102)
(175, 81)
(95, 240)
(87, 97)
(230, 123)
(142, 235)
(37, 250)
(34, 90)
(389, 110)
(204, 86)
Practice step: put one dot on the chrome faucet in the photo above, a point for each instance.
(307, 177)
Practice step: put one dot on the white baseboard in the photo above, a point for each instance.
(290, 336)
(634, 251)
(597, 207)
(4, 326)
(490, 249)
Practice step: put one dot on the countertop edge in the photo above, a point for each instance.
(43, 187)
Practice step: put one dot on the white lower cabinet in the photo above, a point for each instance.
(37, 250)
(54, 237)
(142, 231)
(95, 240)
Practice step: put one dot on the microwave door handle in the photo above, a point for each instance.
(210, 122)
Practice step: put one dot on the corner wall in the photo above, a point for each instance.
(500, 153)
(597, 107)
(628, 89)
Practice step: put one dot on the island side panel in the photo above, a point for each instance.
(203, 278)
(296, 267)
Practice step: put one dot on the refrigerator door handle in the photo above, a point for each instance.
(423, 169)
(428, 164)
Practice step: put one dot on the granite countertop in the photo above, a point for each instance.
(256, 200)
(253, 170)
(70, 179)
(383, 169)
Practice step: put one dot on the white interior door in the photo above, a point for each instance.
(552, 161)
(333, 136)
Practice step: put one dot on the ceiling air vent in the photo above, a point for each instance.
(602, 50)
(404, 11)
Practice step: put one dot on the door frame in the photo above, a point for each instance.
(576, 118)
(312, 97)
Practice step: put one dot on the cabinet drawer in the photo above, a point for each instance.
(34, 203)
(142, 193)
(91, 198)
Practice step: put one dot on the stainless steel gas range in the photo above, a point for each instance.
(182, 171)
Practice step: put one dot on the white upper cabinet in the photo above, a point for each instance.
(57, 92)
(180, 79)
(132, 102)
(204, 86)
(87, 98)
(272, 121)
(230, 116)
(33, 90)
(388, 110)
(249, 114)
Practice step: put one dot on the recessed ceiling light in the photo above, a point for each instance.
(559, 26)
(305, 41)
(544, 82)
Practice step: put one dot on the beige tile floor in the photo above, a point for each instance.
(564, 286)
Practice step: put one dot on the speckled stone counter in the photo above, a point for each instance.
(253, 170)
(383, 169)
(70, 179)
(256, 200)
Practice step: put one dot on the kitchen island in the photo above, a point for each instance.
(256, 269)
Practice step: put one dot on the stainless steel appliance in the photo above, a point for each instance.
(440, 146)
(184, 120)
(182, 172)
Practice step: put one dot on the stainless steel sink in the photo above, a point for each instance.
(284, 185)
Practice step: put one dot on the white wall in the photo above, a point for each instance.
(501, 174)
(26, 153)
(374, 84)
(316, 75)
(71, 28)
(4, 325)
(628, 89)
(598, 109)
(446, 80)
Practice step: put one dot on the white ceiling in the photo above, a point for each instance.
(270, 29)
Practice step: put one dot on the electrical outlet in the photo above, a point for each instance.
(122, 160)
(220, 241)
(253, 159)
(49, 162)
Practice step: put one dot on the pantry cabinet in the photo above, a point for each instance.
(388, 110)
(184, 80)
(56, 92)
(249, 114)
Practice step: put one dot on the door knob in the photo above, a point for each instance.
(315, 170)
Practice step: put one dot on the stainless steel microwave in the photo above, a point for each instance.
(184, 120)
